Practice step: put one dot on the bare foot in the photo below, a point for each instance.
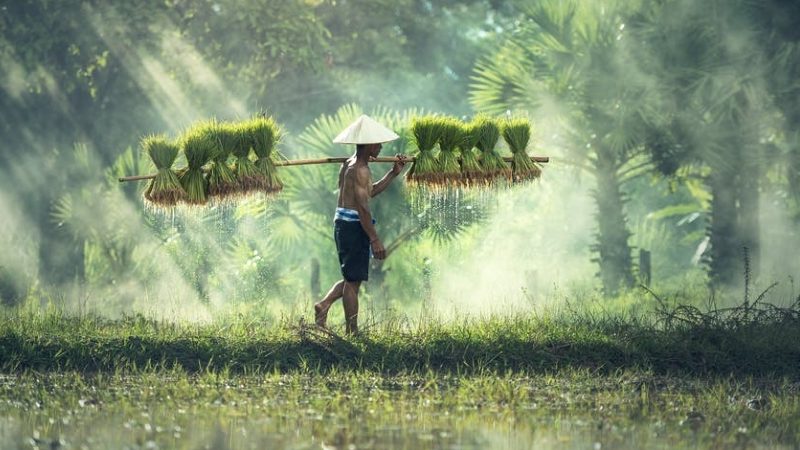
(321, 314)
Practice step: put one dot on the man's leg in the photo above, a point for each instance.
(321, 308)
(350, 301)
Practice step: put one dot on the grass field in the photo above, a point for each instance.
(680, 379)
(683, 341)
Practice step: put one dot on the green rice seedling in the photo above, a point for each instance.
(492, 163)
(266, 133)
(198, 147)
(222, 182)
(471, 171)
(165, 189)
(248, 176)
(449, 139)
(517, 134)
(425, 133)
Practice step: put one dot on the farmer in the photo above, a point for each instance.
(354, 228)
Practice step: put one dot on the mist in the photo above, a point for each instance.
(532, 250)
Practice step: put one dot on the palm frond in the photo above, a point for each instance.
(317, 138)
(554, 19)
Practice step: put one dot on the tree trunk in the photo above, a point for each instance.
(735, 206)
(616, 265)
(793, 174)
(749, 207)
(726, 249)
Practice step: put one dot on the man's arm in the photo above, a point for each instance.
(383, 183)
(364, 215)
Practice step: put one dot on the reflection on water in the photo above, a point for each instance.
(225, 432)
(301, 413)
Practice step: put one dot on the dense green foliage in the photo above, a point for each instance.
(107, 74)
(658, 87)
(682, 119)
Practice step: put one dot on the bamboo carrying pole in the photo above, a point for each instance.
(339, 160)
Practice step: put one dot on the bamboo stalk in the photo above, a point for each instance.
(339, 160)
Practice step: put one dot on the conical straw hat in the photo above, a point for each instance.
(365, 130)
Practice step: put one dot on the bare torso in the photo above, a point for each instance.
(349, 179)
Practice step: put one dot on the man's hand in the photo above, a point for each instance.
(399, 164)
(377, 249)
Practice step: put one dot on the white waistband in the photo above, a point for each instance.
(348, 215)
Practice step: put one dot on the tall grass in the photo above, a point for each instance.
(761, 340)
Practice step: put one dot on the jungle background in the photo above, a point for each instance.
(671, 127)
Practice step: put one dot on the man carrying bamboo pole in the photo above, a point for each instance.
(354, 228)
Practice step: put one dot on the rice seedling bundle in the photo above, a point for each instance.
(198, 147)
(449, 139)
(467, 157)
(165, 189)
(248, 176)
(222, 182)
(517, 134)
(265, 134)
(471, 171)
(425, 132)
(492, 163)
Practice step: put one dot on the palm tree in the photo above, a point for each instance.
(567, 64)
(101, 246)
(777, 32)
(709, 68)
(118, 249)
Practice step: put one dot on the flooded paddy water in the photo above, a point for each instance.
(351, 410)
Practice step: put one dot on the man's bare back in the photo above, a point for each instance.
(353, 175)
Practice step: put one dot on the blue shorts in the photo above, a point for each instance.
(352, 244)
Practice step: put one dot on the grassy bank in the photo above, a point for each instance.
(749, 340)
